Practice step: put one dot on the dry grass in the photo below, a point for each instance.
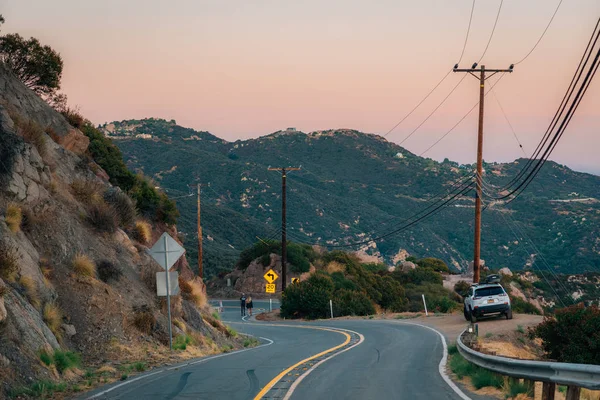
(102, 216)
(86, 191)
(31, 290)
(83, 265)
(193, 291)
(53, 318)
(14, 217)
(335, 266)
(9, 262)
(142, 231)
(144, 321)
(33, 134)
(180, 324)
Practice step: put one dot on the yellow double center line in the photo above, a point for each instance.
(272, 383)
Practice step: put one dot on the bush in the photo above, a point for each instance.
(52, 317)
(347, 302)
(9, 262)
(144, 321)
(418, 276)
(122, 204)
(569, 335)
(142, 232)
(46, 358)
(308, 299)
(462, 288)
(83, 265)
(73, 117)
(484, 378)
(521, 306)
(433, 263)
(65, 360)
(393, 296)
(516, 388)
(107, 271)
(14, 217)
(39, 390)
(181, 342)
(461, 367)
(193, 291)
(103, 217)
(86, 191)
(438, 298)
(31, 290)
(34, 134)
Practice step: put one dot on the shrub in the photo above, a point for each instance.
(39, 390)
(34, 134)
(437, 297)
(139, 366)
(144, 321)
(461, 367)
(65, 360)
(393, 297)
(107, 271)
(52, 317)
(46, 358)
(484, 378)
(452, 349)
(418, 276)
(351, 303)
(375, 267)
(231, 332)
(14, 217)
(142, 232)
(462, 288)
(9, 262)
(521, 306)
(308, 299)
(193, 291)
(83, 265)
(568, 335)
(433, 263)
(103, 217)
(442, 304)
(517, 387)
(31, 290)
(73, 117)
(122, 204)
(181, 342)
(86, 191)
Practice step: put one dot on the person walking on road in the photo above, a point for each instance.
(243, 304)
(249, 305)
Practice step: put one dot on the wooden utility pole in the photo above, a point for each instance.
(479, 177)
(283, 223)
(200, 266)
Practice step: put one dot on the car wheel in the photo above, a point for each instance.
(509, 314)
(473, 317)
(466, 314)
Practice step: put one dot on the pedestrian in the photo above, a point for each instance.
(249, 305)
(243, 303)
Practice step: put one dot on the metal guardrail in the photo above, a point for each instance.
(579, 375)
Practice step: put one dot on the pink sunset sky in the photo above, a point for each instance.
(243, 69)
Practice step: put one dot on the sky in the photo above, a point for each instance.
(243, 69)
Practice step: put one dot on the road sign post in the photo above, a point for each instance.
(160, 252)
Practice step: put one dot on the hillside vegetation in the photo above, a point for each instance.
(352, 186)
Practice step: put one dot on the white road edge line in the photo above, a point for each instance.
(443, 361)
(179, 367)
(292, 388)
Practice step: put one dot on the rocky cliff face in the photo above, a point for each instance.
(47, 301)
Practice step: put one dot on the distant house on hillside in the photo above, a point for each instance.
(292, 129)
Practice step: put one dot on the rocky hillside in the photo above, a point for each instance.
(78, 303)
(353, 185)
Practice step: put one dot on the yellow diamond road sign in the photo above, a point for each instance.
(270, 288)
(295, 280)
(271, 276)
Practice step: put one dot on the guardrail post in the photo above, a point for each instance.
(573, 393)
(548, 391)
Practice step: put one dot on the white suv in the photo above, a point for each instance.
(486, 299)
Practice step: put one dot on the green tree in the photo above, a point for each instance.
(308, 299)
(39, 67)
(572, 335)
(1, 19)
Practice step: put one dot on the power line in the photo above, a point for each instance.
(542, 35)
(509, 124)
(459, 121)
(492, 34)
(441, 80)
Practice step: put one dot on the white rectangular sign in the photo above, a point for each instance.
(161, 285)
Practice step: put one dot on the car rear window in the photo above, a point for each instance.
(489, 291)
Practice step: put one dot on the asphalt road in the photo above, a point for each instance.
(353, 359)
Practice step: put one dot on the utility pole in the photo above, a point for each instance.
(283, 222)
(200, 266)
(479, 177)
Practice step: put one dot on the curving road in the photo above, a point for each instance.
(340, 359)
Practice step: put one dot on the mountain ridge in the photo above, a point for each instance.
(344, 171)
